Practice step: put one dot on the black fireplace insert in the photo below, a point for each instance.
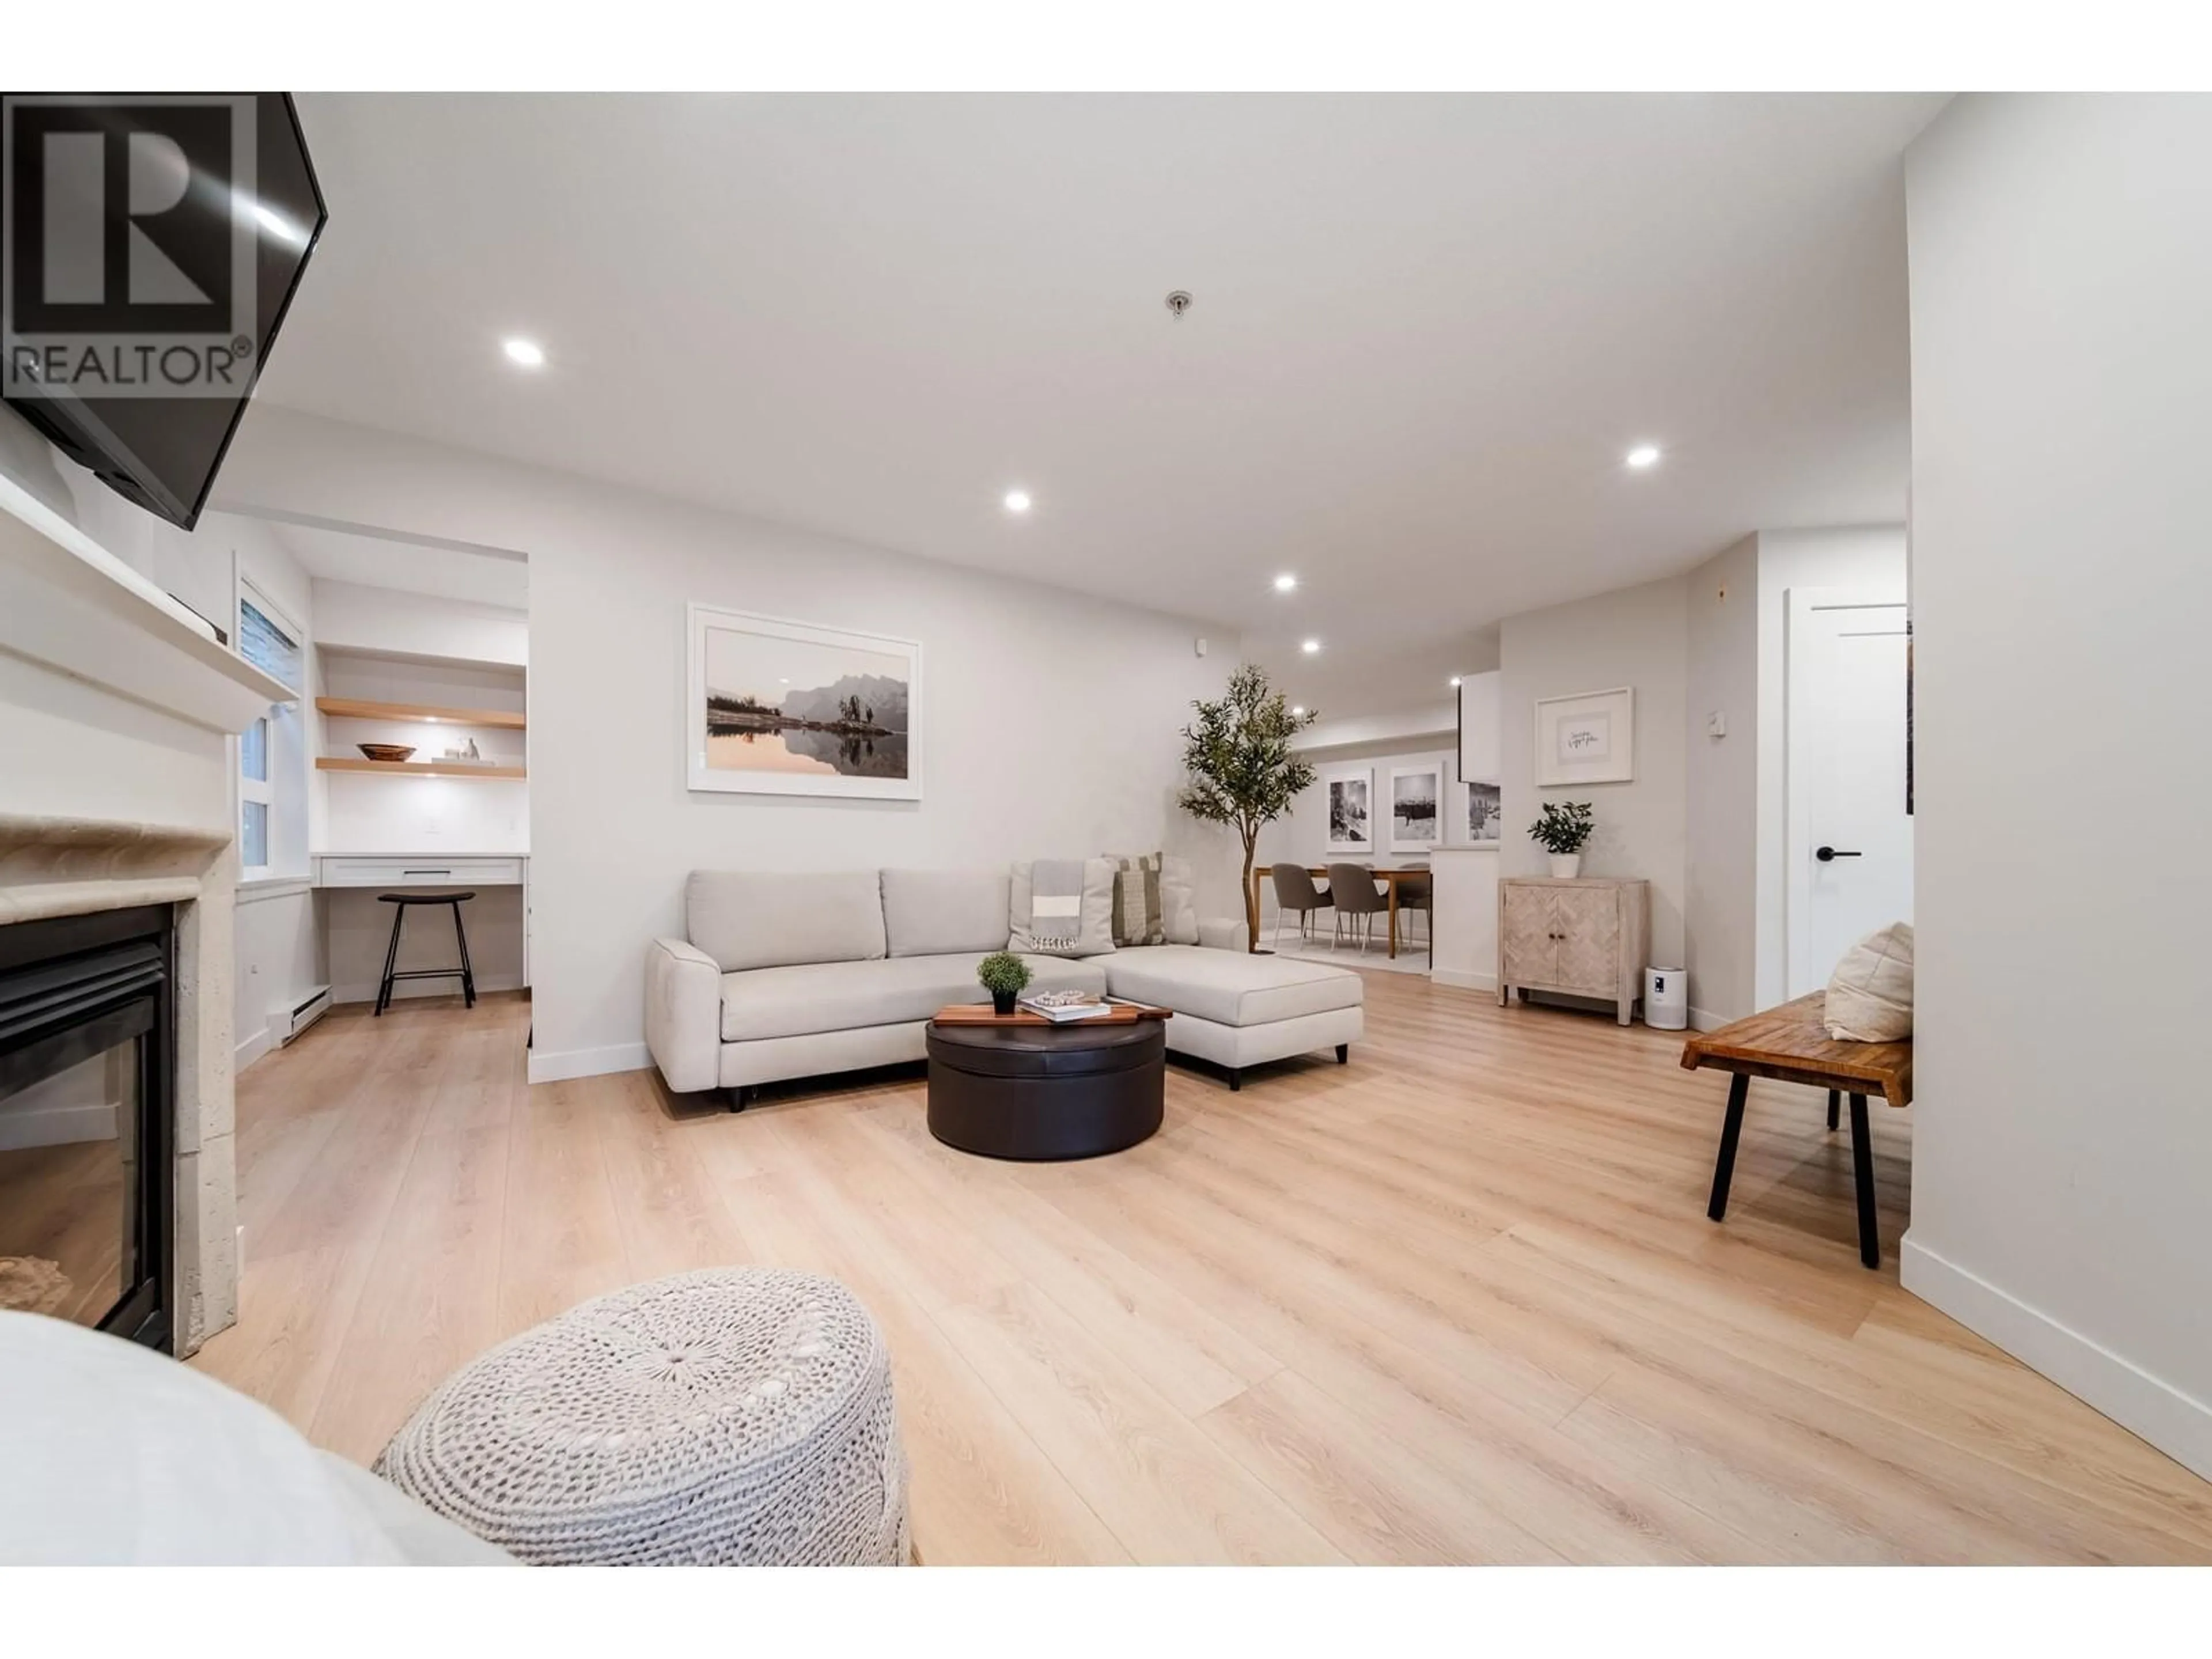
(87, 1082)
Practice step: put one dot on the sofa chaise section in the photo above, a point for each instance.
(1235, 1010)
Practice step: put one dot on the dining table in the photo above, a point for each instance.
(1389, 877)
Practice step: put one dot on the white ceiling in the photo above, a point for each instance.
(338, 555)
(1426, 329)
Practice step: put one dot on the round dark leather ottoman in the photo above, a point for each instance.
(1046, 1092)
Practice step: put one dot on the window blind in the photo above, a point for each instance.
(266, 646)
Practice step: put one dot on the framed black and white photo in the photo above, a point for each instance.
(1481, 814)
(780, 707)
(1416, 808)
(1589, 738)
(1350, 794)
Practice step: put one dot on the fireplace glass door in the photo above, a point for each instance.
(84, 1103)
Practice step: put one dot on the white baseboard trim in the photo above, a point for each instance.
(253, 1049)
(425, 987)
(1452, 976)
(1704, 1019)
(2175, 1422)
(588, 1062)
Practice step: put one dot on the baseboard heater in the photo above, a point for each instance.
(317, 1005)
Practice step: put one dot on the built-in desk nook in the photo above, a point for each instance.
(442, 802)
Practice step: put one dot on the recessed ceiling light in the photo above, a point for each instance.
(1299, 709)
(1285, 582)
(528, 353)
(1643, 455)
(1310, 647)
(1017, 501)
(1454, 679)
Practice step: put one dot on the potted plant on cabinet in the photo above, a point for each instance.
(1561, 830)
(1242, 772)
(1003, 974)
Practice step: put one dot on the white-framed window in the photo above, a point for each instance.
(272, 787)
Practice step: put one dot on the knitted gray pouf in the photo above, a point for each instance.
(740, 1416)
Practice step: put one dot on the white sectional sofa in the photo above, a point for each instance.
(802, 975)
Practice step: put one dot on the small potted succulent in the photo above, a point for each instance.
(1562, 829)
(1003, 974)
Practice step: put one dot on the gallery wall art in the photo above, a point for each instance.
(1350, 792)
(1416, 808)
(1589, 738)
(780, 708)
(1482, 812)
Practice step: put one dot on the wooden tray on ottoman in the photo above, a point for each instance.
(980, 1013)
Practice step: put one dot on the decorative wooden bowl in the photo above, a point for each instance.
(385, 751)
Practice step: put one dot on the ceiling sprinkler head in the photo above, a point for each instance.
(1178, 302)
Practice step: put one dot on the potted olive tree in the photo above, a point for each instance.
(1242, 772)
(1004, 975)
(1561, 830)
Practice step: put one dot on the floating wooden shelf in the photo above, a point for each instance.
(357, 708)
(416, 768)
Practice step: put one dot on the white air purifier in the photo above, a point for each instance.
(1666, 998)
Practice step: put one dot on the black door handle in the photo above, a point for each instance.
(1826, 854)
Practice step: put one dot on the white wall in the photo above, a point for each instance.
(1052, 719)
(2061, 344)
(1721, 804)
(1633, 636)
(351, 618)
(280, 959)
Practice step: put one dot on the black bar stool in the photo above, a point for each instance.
(463, 973)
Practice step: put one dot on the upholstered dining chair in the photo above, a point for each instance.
(1295, 890)
(1418, 893)
(1355, 894)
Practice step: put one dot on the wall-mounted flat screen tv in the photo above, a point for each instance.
(153, 246)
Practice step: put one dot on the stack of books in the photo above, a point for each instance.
(1060, 1007)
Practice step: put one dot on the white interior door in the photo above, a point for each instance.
(1849, 835)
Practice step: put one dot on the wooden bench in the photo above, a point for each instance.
(1791, 1044)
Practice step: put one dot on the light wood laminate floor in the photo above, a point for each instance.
(1456, 1301)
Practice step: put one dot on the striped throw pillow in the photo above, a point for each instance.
(1138, 918)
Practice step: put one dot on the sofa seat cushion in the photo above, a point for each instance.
(841, 996)
(845, 996)
(1229, 986)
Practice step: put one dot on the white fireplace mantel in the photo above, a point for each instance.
(116, 706)
(68, 602)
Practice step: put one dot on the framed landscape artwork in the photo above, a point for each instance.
(1587, 739)
(1416, 808)
(777, 707)
(1350, 794)
(1482, 814)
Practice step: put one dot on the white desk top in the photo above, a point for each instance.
(419, 853)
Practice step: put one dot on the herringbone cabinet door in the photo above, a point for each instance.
(1589, 941)
(1531, 953)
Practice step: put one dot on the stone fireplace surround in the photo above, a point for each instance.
(67, 867)
(117, 707)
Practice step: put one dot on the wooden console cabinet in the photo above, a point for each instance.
(1588, 937)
